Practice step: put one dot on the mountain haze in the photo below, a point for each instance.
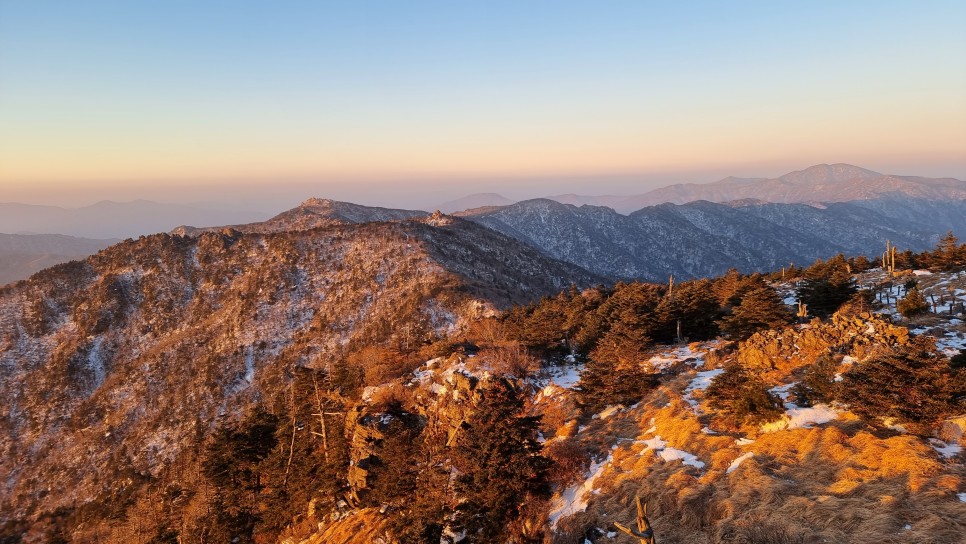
(477, 200)
(107, 219)
(819, 183)
(24, 254)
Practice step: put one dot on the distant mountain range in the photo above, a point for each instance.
(109, 219)
(819, 183)
(701, 239)
(478, 200)
(24, 254)
(694, 230)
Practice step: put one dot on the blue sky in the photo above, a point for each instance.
(135, 97)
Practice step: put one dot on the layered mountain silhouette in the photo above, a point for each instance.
(819, 183)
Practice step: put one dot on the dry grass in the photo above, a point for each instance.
(366, 526)
(836, 483)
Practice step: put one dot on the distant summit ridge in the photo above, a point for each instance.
(476, 200)
(819, 183)
(311, 214)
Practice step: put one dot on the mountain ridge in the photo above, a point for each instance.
(703, 238)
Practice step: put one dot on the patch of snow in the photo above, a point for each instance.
(573, 499)
(701, 382)
(708, 430)
(250, 364)
(796, 417)
(670, 454)
(944, 449)
(666, 359)
(744, 441)
(368, 392)
(566, 376)
(962, 497)
(783, 391)
(608, 412)
(737, 462)
(922, 272)
(891, 424)
(449, 535)
(95, 361)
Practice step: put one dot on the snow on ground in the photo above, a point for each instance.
(737, 462)
(670, 454)
(608, 412)
(574, 498)
(744, 441)
(962, 497)
(664, 360)
(701, 382)
(783, 391)
(565, 376)
(797, 417)
(946, 450)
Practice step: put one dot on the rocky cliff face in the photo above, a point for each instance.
(113, 369)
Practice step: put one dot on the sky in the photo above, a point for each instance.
(414, 102)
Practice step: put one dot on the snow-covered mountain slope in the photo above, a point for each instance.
(702, 239)
(113, 368)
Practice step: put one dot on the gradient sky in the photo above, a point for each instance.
(388, 102)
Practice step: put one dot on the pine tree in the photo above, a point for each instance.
(827, 286)
(913, 384)
(691, 309)
(913, 304)
(231, 465)
(499, 463)
(614, 373)
(742, 398)
(760, 308)
(818, 384)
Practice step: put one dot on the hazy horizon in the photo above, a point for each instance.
(422, 194)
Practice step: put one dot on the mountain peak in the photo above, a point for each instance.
(317, 203)
(829, 173)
